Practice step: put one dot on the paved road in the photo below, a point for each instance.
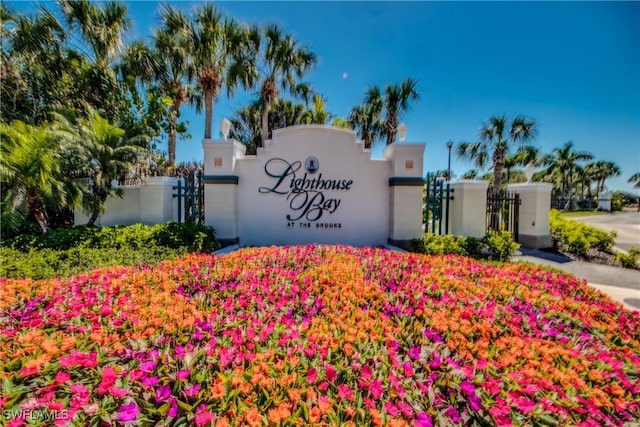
(626, 224)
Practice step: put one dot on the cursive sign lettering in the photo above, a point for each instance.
(306, 195)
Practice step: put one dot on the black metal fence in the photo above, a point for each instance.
(503, 211)
(190, 195)
(436, 213)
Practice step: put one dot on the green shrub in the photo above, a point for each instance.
(629, 260)
(578, 238)
(49, 263)
(193, 237)
(500, 246)
(434, 244)
(473, 247)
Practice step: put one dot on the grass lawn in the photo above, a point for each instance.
(318, 335)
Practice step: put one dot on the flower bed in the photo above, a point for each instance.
(315, 334)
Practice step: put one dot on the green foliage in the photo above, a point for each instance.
(191, 237)
(433, 244)
(630, 259)
(49, 263)
(500, 245)
(578, 238)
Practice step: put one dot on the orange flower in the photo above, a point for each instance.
(315, 414)
(218, 390)
(279, 413)
(223, 422)
(252, 417)
(294, 395)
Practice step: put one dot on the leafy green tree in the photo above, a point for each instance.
(635, 179)
(282, 63)
(31, 174)
(102, 27)
(108, 153)
(246, 123)
(497, 137)
(366, 118)
(33, 66)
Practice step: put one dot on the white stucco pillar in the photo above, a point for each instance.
(468, 209)
(221, 188)
(157, 204)
(604, 201)
(405, 192)
(533, 222)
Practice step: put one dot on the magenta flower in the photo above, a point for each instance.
(375, 389)
(162, 393)
(312, 375)
(344, 392)
(423, 420)
(330, 372)
(453, 414)
(128, 412)
(391, 409)
(192, 390)
(183, 374)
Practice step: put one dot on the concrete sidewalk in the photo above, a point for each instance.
(621, 284)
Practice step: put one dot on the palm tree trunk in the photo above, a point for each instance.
(392, 125)
(498, 162)
(265, 123)
(39, 212)
(208, 117)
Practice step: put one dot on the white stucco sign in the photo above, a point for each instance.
(313, 184)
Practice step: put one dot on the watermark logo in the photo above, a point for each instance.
(35, 414)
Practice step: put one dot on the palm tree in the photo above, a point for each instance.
(171, 47)
(221, 57)
(495, 140)
(283, 62)
(246, 122)
(33, 64)
(396, 101)
(101, 27)
(108, 152)
(564, 160)
(366, 118)
(635, 178)
(30, 173)
(319, 114)
(602, 170)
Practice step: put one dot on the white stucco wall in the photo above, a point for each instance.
(362, 216)
(150, 202)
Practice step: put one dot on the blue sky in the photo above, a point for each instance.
(573, 66)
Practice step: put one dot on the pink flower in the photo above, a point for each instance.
(312, 375)
(406, 409)
(344, 392)
(192, 390)
(183, 374)
(375, 389)
(366, 372)
(423, 420)
(128, 412)
(408, 369)
(118, 392)
(62, 377)
(330, 372)
(204, 418)
(391, 409)
(162, 393)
